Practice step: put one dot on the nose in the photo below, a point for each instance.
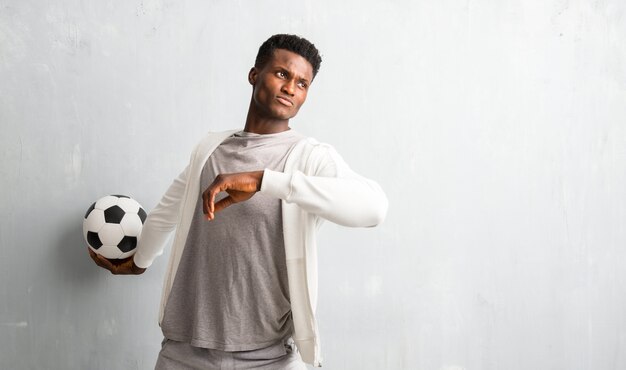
(289, 87)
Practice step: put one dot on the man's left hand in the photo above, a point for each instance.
(124, 266)
(239, 186)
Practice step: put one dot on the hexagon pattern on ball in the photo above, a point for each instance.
(106, 202)
(126, 254)
(129, 205)
(112, 226)
(111, 234)
(109, 251)
(131, 224)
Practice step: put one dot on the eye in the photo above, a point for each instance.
(281, 74)
(302, 84)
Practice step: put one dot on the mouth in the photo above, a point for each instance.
(284, 101)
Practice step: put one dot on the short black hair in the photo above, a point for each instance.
(293, 43)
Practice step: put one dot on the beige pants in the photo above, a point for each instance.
(182, 356)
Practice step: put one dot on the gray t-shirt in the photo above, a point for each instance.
(231, 290)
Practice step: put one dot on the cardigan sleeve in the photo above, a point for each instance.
(334, 192)
(161, 222)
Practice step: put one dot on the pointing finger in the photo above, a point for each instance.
(226, 202)
(212, 194)
(205, 202)
(211, 191)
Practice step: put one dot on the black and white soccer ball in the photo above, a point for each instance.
(112, 226)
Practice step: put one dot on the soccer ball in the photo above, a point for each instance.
(112, 226)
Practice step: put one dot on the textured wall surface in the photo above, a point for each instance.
(497, 129)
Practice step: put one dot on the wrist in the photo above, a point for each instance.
(259, 175)
(276, 184)
(136, 269)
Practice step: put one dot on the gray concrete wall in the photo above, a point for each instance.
(497, 128)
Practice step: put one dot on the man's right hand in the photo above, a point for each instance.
(124, 266)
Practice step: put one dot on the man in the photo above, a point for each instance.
(241, 285)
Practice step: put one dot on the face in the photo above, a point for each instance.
(280, 87)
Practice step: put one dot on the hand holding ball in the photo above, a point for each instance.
(112, 226)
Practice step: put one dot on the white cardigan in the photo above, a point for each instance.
(315, 185)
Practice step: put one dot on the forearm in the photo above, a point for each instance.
(160, 223)
(151, 244)
(349, 200)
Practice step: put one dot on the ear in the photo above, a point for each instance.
(252, 76)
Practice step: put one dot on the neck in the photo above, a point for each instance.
(257, 123)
